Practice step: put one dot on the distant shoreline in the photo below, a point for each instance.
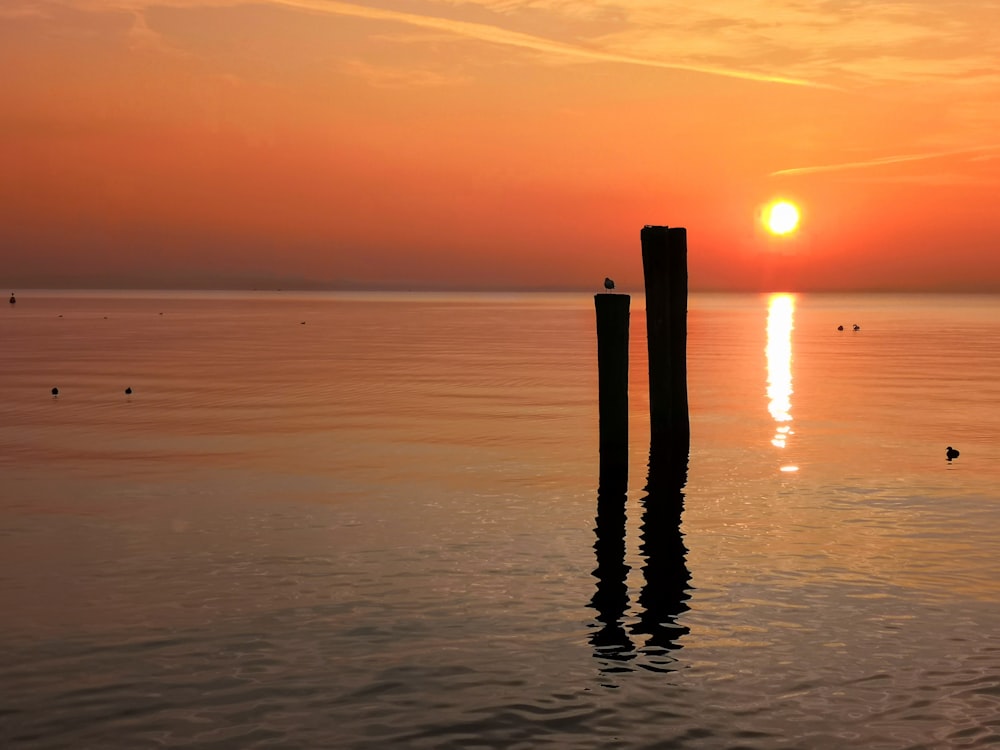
(374, 289)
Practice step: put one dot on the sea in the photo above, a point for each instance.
(375, 520)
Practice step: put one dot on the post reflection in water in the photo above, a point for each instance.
(665, 589)
(610, 641)
(664, 594)
(780, 323)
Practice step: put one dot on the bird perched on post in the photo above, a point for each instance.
(952, 453)
(609, 284)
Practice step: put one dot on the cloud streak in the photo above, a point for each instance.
(883, 161)
(482, 32)
(832, 40)
(389, 78)
(500, 36)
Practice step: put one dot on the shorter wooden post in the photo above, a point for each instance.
(612, 369)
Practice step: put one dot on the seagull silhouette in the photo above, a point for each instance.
(609, 284)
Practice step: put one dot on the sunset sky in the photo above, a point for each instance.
(498, 143)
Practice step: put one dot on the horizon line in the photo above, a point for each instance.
(472, 289)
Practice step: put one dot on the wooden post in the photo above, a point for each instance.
(612, 370)
(664, 266)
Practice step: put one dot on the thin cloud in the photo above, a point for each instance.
(882, 161)
(470, 30)
(822, 45)
(894, 41)
(141, 37)
(496, 35)
(382, 77)
(946, 178)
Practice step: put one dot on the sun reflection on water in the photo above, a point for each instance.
(780, 322)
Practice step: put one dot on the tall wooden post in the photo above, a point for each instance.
(664, 266)
(612, 371)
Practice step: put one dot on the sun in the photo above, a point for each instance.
(781, 217)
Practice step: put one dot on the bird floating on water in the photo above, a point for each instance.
(952, 453)
(857, 327)
(13, 300)
(840, 328)
(55, 391)
(128, 391)
(609, 283)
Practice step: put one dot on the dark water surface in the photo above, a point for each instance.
(381, 528)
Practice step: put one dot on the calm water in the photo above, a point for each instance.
(380, 528)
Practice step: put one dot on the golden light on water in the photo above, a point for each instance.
(780, 323)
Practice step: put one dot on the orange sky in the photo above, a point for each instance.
(497, 143)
